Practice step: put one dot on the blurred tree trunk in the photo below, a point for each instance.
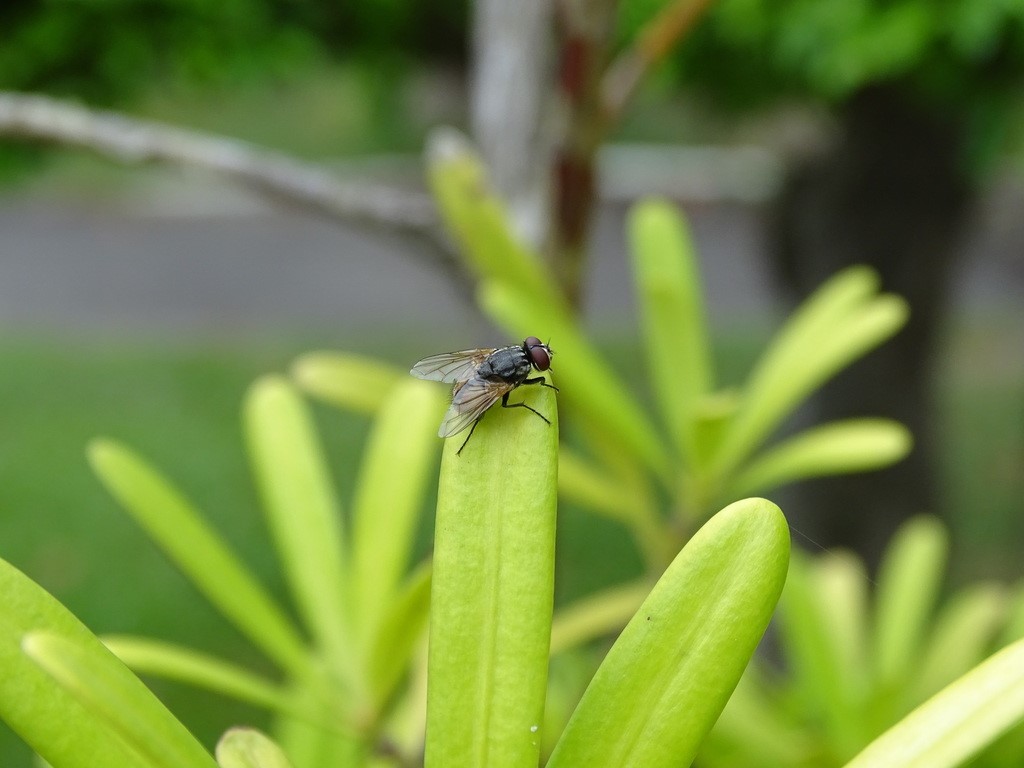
(537, 115)
(892, 192)
(585, 32)
(512, 107)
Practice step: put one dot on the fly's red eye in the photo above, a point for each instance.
(538, 353)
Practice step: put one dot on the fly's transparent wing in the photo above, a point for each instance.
(469, 401)
(450, 367)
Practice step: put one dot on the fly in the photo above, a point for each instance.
(482, 377)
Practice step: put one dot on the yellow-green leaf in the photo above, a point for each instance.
(492, 588)
(957, 722)
(350, 381)
(668, 676)
(852, 445)
(108, 689)
(201, 554)
(302, 511)
(672, 310)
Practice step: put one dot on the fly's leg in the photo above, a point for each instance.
(543, 382)
(505, 403)
(471, 430)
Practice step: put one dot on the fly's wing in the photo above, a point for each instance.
(469, 401)
(450, 367)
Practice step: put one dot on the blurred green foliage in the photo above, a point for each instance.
(748, 50)
(965, 54)
(753, 50)
(105, 51)
(184, 61)
(857, 657)
(963, 58)
(708, 447)
(111, 52)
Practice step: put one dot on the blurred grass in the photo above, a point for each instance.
(178, 404)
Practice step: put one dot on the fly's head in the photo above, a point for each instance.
(538, 353)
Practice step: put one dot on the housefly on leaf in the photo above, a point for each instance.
(482, 377)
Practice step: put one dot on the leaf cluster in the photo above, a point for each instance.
(108, 52)
(853, 661)
(705, 444)
(665, 680)
(362, 611)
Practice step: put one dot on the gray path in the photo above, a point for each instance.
(200, 259)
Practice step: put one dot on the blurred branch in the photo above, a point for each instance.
(41, 118)
(289, 181)
(658, 37)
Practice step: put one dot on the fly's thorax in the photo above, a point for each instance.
(509, 364)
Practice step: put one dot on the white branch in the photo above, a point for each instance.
(129, 140)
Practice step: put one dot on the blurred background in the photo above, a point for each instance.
(138, 301)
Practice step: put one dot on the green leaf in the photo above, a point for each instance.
(406, 720)
(755, 730)
(957, 722)
(401, 629)
(185, 665)
(841, 588)
(108, 689)
(175, 525)
(974, 29)
(711, 421)
(837, 298)
(1014, 628)
(670, 673)
(834, 327)
(492, 591)
(308, 744)
(964, 631)
(595, 615)
(353, 382)
(590, 485)
(248, 748)
(852, 445)
(675, 330)
(591, 386)
(478, 222)
(908, 585)
(816, 653)
(389, 499)
(302, 511)
(626, 489)
(41, 712)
